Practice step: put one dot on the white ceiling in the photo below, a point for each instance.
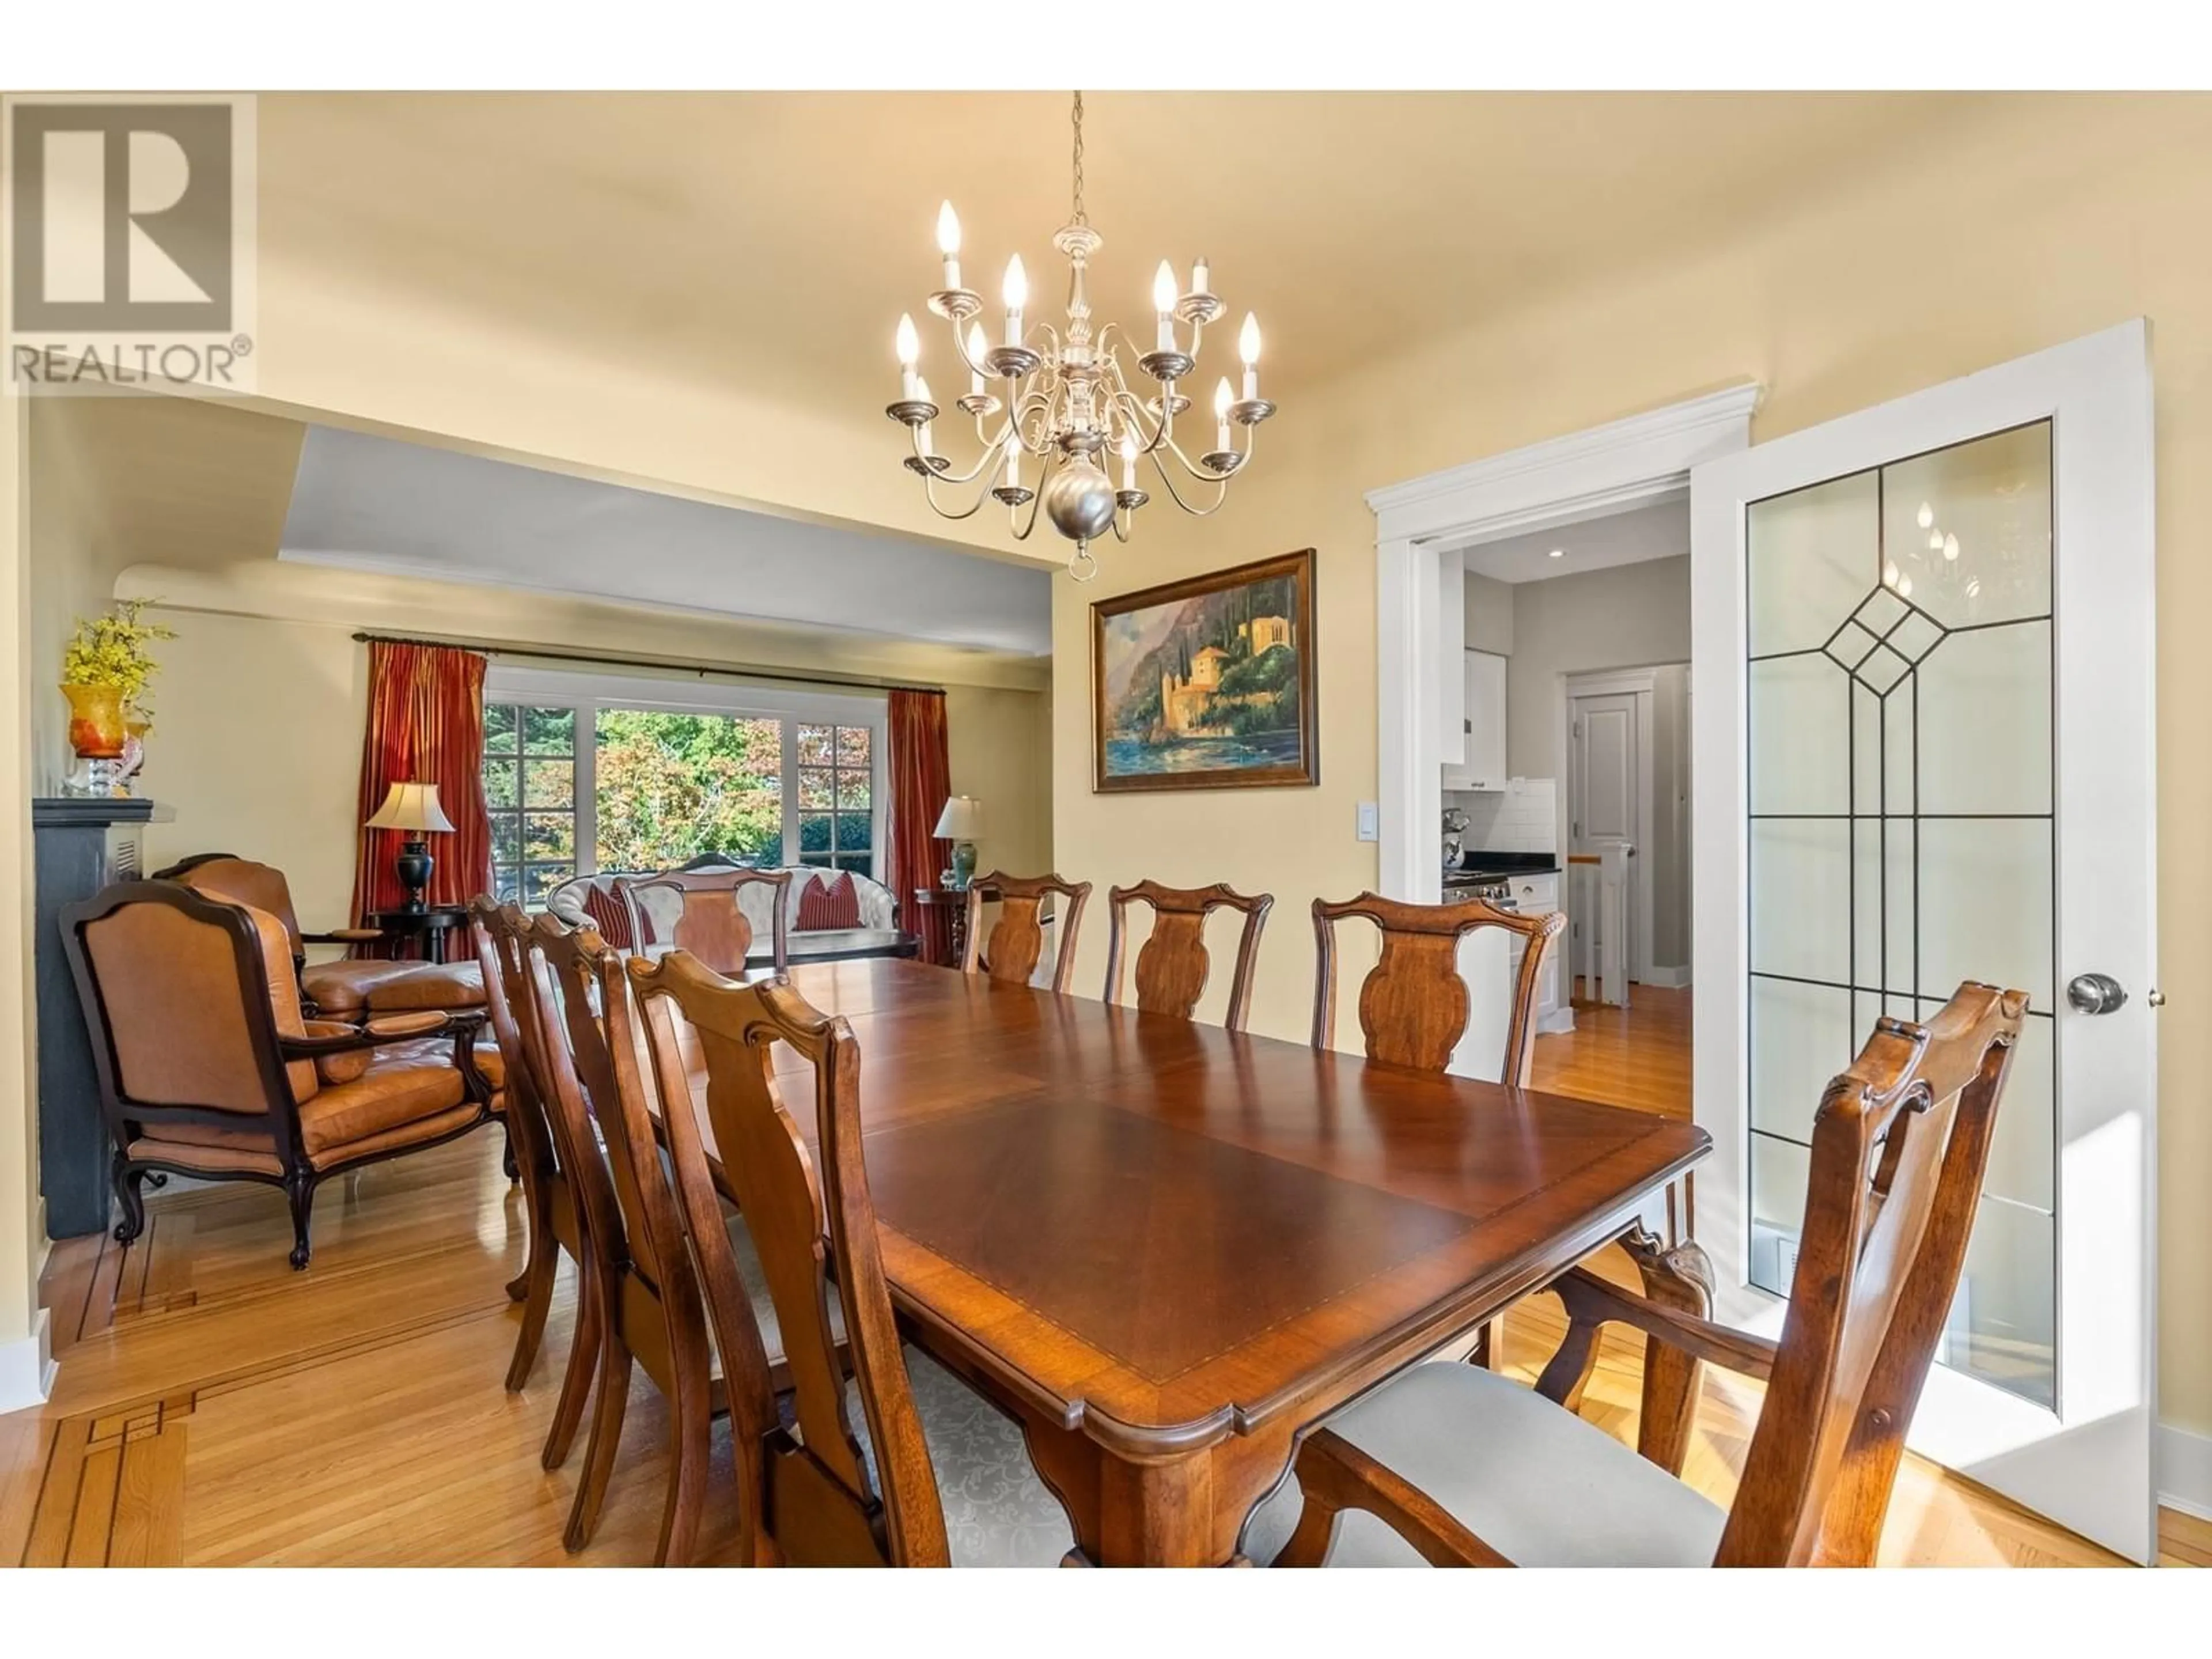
(1660, 530)
(371, 503)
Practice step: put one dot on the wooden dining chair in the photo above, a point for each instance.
(1017, 941)
(901, 1464)
(651, 1312)
(550, 1200)
(1460, 1467)
(1173, 966)
(1413, 1006)
(710, 922)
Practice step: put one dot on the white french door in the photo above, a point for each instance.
(1923, 752)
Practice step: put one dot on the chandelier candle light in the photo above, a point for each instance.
(1066, 399)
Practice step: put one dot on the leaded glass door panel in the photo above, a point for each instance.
(1924, 642)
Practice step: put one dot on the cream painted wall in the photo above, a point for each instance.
(22, 1237)
(1000, 744)
(2046, 219)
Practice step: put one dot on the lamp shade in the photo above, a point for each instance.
(961, 820)
(411, 806)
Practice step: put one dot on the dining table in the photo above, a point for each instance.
(1170, 1250)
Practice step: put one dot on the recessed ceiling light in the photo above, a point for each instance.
(1559, 553)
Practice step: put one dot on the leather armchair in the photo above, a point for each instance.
(347, 990)
(209, 1065)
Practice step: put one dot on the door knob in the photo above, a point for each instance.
(2095, 994)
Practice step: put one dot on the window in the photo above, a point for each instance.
(836, 820)
(667, 771)
(529, 787)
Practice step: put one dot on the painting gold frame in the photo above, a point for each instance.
(1303, 768)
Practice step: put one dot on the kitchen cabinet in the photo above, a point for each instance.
(1539, 895)
(1482, 724)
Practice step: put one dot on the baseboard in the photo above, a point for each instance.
(1667, 979)
(2185, 1471)
(26, 1368)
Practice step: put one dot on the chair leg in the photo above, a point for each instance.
(605, 1441)
(534, 1289)
(1679, 1278)
(507, 1158)
(690, 1418)
(300, 1194)
(1489, 1348)
(126, 1181)
(576, 1379)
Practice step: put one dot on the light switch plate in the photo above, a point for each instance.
(1371, 821)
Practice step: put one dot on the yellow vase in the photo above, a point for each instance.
(96, 727)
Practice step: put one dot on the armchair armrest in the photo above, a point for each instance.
(1592, 1302)
(1336, 1475)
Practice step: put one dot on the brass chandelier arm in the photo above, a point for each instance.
(1028, 524)
(929, 491)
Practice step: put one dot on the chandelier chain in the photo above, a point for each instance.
(1081, 218)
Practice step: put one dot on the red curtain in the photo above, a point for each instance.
(921, 779)
(425, 725)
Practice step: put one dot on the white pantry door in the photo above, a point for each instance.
(1925, 753)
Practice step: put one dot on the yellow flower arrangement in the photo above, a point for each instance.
(111, 651)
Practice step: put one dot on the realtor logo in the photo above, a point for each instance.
(129, 227)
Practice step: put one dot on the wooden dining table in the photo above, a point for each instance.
(1168, 1249)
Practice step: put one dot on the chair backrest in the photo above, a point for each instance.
(600, 1075)
(234, 880)
(1017, 941)
(813, 1223)
(184, 998)
(564, 1113)
(710, 925)
(1413, 1006)
(1899, 1146)
(1173, 966)
(499, 959)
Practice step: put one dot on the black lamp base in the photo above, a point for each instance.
(414, 865)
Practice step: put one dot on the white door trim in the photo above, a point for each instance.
(1583, 475)
(2098, 391)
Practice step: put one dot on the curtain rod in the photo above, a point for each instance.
(599, 661)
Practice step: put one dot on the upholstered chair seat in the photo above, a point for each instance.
(1539, 1485)
(997, 1512)
(351, 990)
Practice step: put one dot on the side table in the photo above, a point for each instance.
(428, 926)
(954, 901)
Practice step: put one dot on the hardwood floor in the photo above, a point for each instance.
(215, 1408)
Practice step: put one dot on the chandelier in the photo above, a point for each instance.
(1066, 399)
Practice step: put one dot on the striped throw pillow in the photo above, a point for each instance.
(829, 902)
(610, 915)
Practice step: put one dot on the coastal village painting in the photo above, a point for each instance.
(1207, 684)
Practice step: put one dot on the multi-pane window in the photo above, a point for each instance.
(530, 787)
(836, 814)
(585, 773)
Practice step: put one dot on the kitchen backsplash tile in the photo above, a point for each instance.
(1522, 818)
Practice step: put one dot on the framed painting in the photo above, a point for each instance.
(1207, 684)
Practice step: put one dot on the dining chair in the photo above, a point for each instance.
(1413, 1006)
(1460, 1467)
(710, 922)
(1172, 966)
(1017, 941)
(883, 1457)
(651, 1313)
(551, 1204)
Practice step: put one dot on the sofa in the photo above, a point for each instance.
(595, 901)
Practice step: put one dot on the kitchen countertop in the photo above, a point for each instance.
(1476, 867)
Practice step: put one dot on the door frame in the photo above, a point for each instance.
(1423, 523)
(1643, 684)
(2097, 393)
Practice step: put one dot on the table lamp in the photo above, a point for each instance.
(960, 822)
(413, 807)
